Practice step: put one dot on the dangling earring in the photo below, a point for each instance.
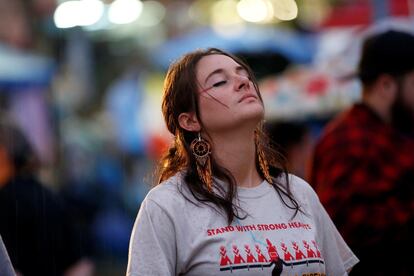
(201, 152)
(264, 167)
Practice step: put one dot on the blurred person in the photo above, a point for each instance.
(294, 141)
(216, 209)
(34, 224)
(6, 268)
(363, 164)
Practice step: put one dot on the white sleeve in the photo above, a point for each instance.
(339, 259)
(6, 267)
(152, 248)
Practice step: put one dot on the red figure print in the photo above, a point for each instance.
(287, 255)
(237, 258)
(250, 257)
(309, 251)
(260, 257)
(299, 254)
(271, 250)
(317, 250)
(225, 260)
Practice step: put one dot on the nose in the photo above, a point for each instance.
(241, 82)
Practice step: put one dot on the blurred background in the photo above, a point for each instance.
(83, 81)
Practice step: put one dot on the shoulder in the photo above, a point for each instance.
(300, 189)
(299, 185)
(168, 192)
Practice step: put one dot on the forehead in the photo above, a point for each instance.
(210, 63)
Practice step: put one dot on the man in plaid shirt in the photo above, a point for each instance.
(363, 164)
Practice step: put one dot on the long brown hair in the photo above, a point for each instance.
(181, 95)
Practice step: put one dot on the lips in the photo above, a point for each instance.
(247, 96)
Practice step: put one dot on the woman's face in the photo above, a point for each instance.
(228, 98)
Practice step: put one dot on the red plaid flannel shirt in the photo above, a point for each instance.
(363, 172)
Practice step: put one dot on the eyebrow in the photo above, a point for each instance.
(221, 71)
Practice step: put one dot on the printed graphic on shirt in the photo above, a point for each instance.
(289, 255)
(267, 253)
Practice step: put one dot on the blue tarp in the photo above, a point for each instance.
(20, 69)
(297, 47)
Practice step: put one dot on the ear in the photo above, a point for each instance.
(189, 121)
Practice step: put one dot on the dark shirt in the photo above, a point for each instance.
(363, 172)
(36, 228)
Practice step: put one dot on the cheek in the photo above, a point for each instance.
(214, 110)
(206, 109)
(213, 103)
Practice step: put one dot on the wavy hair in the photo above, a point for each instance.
(181, 95)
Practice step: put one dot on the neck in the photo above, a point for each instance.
(378, 105)
(236, 151)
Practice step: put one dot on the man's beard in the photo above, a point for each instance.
(402, 117)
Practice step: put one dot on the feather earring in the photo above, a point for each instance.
(201, 151)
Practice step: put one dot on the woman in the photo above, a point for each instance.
(217, 210)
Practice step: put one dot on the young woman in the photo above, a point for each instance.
(224, 203)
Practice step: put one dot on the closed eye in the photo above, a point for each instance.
(217, 84)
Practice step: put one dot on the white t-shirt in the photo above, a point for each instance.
(173, 236)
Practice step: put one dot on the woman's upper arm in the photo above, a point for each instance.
(152, 249)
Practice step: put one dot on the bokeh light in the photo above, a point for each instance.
(256, 11)
(285, 9)
(124, 11)
(78, 13)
